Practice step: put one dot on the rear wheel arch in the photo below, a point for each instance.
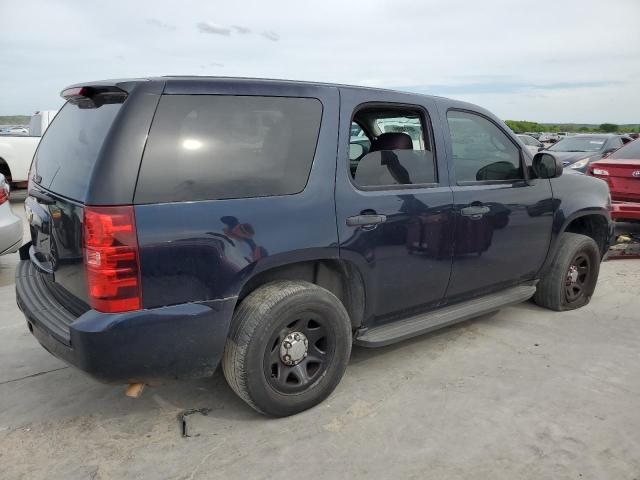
(339, 277)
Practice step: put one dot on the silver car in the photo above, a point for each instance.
(10, 224)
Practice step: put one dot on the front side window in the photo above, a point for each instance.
(205, 147)
(481, 151)
(397, 151)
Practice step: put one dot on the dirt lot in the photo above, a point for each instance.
(524, 393)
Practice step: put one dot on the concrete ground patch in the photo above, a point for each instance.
(523, 393)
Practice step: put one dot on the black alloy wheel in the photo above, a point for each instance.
(577, 277)
(298, 353)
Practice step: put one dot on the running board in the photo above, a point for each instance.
(413, 326)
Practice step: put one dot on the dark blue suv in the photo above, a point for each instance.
(180, 223)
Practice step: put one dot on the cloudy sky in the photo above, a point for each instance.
(546, 60)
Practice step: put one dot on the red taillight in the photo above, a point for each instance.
(73, 92)
(4, 192)
(93, 96)
(111, 259)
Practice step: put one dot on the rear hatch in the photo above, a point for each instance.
(622, 175)
(59, 182)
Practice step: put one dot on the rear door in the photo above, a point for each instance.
(393, 202)
(503, 218)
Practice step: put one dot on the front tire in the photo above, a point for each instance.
(288, 347)
(571, 280)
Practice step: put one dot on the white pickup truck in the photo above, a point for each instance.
(16, 151)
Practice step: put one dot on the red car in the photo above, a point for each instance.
(621, 170)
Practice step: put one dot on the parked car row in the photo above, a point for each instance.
(14, 130)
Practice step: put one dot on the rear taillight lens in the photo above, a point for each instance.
(111, 259)
(4, 191)
(94, 96)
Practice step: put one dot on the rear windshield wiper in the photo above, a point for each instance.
(42, 197)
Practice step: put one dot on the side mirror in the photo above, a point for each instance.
(542, 148)
(355, 151)
(545, 165)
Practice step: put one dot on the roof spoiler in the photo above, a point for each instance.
(93, 96)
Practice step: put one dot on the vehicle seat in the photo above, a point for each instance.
(392, 141)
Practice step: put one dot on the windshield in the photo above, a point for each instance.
(631, 151)
(579, 144)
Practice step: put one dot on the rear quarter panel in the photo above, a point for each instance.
(190, 251)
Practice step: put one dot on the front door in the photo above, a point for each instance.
(503, 218)
(393, 202)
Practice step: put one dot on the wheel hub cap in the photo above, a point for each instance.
(294, 348)
(572, 275)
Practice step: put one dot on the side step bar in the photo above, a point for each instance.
(417, 325)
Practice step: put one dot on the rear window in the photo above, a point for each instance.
(205, 147)
(70, 147)
(631, 151)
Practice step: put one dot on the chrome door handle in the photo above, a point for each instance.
(365, 220)
(474, 211)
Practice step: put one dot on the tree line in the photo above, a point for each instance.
(520, 126)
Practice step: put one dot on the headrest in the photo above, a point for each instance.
(392, 141)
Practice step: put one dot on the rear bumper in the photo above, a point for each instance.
(625, 210)
(180, 341)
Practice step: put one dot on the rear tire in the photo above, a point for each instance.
(571, 280)
(288, 347)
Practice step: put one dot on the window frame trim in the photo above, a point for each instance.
(425, 119)
(466, 183)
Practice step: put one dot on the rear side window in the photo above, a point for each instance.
(481, 151)
(205, 147)
(70, 147)
(629, 151)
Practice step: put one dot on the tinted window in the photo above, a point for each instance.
(629, 151)
(481, 151)
(401, 152)
(69, 149)
(615, 142)
(214, 147)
